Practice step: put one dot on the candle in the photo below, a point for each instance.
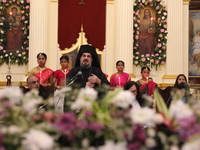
(9, 61)
(40, 77)
(150, 63)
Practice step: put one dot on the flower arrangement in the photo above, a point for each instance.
(19, 57)
(159, 56)
(99, 119)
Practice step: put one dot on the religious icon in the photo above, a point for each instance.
(13, 28)
(147, 28)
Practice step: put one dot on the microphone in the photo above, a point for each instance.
(78, 74)
(70, 82)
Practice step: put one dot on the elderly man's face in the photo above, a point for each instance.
(86, 60)
(33, 83)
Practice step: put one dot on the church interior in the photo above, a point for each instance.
(137, 74)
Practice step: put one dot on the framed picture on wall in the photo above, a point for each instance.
(194, 43)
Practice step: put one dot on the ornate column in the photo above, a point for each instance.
(186, 36)
(109, 67)
(38, 30)
(124, 33)
(53, 47)
(175, 52)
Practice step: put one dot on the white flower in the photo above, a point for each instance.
(19, 55)
(136, 25)
(158, 118)
(88, 92)
(31, 106)
(165, 14)
(81, 103)
(14, 94)
(109, 145)
(150, 142)
(85, 143)
(2, 32)
(37, 140)
(17, 51)
(163, 17)
(179, 110)
(143, 116)
(6, 55)
(13, 129)
(123, 99)
(136, 62)
(136, 57)
(85, 98)
(191, 145)
(151, 132)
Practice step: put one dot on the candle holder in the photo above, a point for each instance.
(81, 2)
(8, 77)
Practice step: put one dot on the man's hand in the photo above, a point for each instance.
(94, 79)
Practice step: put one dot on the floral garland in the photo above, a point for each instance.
(19, 57)
(159, 56)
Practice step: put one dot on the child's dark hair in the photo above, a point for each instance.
(64, 57)
(43, 54)
(145, 68)
(119, 61)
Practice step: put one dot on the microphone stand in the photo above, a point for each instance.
(71, 82)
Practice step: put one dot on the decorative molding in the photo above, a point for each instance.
(109, 0)
(13, 83)
(132, 75)
(186, 0)
(164, 85)
(55, 1)
(169, 76)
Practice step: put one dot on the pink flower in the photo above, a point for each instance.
(4, 1)
(134, 47)
(147, 55)
(156, 54)
(23, 17)
(162, 62)
(136, 13)
(159, 19)
(27, 7)
(157, 62)
(28, 1)
(25, 32)
(151, 5)
(1, 47)
(27, 48)
(157, 7)
(88, 113)
(136, 37)
(96, 126)
(159, 45)
(162, 30)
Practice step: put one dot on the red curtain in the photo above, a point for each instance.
(91, 16)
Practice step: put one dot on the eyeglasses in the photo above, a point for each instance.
(34, 82)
